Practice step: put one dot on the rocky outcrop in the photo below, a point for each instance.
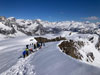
(98, 44)
(71, 48)
(78, 50)
(43, 39)
(90, 57)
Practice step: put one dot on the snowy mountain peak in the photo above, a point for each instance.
(34, 27)
(11, 19)
(38, 20)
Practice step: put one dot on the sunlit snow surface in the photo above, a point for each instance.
(47, 61)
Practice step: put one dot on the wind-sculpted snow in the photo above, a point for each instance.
(22, 67)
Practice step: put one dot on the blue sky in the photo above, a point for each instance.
(52, 10)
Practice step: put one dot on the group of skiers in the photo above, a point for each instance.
(34, 48)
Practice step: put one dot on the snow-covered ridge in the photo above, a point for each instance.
(40, 27)
(50, 61)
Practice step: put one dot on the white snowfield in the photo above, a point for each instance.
(47, 61)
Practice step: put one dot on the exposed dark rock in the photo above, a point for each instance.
(90, 55)
(71, 48)
(91, 39)
(42, 39)
(98, 44)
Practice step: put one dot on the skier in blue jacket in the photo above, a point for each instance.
(24, 54)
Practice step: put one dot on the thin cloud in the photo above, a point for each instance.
(91, 18)
(61, 12)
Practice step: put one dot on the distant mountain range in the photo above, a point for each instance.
(15, 27)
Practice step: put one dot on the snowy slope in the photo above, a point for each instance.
(4, 27)
(89, 46)
(10, 51)
(50, 61)
(47, 61)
